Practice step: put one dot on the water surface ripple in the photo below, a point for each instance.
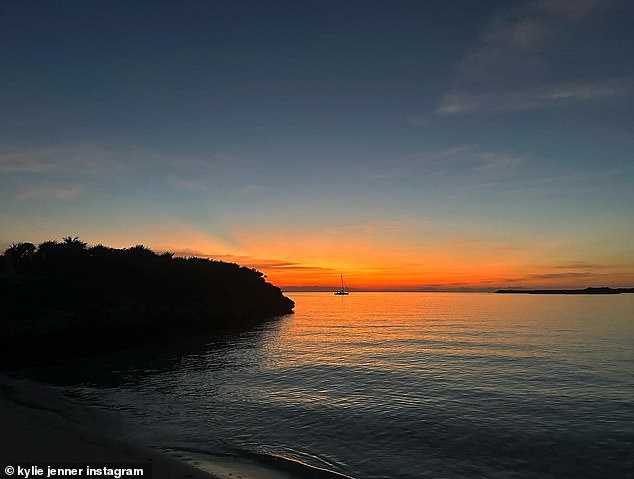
(396, 385)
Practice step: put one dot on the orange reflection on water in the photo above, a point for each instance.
(374, 330)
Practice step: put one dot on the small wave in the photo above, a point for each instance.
(240, 459)
(298, 467)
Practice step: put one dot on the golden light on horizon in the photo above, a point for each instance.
(307, 259)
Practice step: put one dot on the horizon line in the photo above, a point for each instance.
(465, 289)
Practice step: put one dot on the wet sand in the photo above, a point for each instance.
(38, 425)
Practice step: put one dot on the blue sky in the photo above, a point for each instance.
(325, 136)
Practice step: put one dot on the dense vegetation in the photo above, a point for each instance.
(68, 296)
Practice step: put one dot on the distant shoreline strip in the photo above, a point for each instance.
(604, 290)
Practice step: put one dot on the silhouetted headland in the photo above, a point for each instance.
(601, 290)
(65, 298)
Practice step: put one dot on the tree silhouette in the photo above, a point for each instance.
(18, 256)
(18, 252)
(65, 294)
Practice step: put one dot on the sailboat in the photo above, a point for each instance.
(342, 291)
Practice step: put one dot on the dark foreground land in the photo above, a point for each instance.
(603, 290)
(65, 298)
(41, 426)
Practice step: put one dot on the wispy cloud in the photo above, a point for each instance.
(578, 265)
(87, 163)
(31, 161)
(572, 273)
(246, 260)
(571, 9)
(81, 158)
(451, 160)
(506, 69)
(515, 38)
(187, 184)
(547, 95)
(59, 193)
(288, 272)
(565, 275)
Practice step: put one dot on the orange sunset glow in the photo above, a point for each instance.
(385, 257)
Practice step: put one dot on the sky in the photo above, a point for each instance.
(403, 144)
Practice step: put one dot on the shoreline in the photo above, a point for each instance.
(39, 425)
(42, 426)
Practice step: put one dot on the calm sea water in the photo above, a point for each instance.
(393, 385)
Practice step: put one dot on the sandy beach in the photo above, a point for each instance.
(41, 426)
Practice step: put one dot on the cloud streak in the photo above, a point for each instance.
(454, 160)
(501, 71)
(80, 158)
(59, 193)
(186, 184)
(284, 272)
(555, 95)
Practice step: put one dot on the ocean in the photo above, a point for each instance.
(389, 385)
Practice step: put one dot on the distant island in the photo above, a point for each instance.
(600, 290)
(64, 298)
